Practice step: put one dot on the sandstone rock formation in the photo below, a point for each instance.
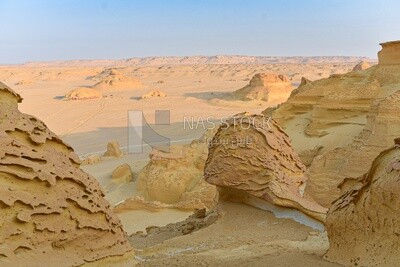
(83, 93)
(91, 160)
(265, 87)
(52, 213)
(177, 178)
(122, 173)
(349, 118)
(113, 150)
(254, 155)
(154, 93)
(390, 53)
(363, 224)
(117, 81)
(363, 65)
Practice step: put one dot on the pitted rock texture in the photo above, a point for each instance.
(253, 154)
(52, 213)
(363, 224)
(265, 87)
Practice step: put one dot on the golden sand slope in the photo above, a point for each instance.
(253, 154)
(51, 212)
(363, 224)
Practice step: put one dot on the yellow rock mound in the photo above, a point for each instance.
(83, 93)
(177, 178)
(113, 150)
(265, 87)
(122, 173)
(116, 81)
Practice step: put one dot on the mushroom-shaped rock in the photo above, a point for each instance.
(113, 150)
(122, 173)
(363, 224)
(52, 212)
(252, 154)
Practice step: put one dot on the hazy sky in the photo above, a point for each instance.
(86, 29)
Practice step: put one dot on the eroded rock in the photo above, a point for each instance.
(265, 87)
(52, 212)
(363, 224)
(253, 154)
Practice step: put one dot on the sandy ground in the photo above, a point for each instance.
(244, 236)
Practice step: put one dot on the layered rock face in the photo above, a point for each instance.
(52, 213)
(254, 155)
(265, 87)
(342, 122)
(363, 224)
(390, 53)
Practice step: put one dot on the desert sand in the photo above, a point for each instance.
(205, 202)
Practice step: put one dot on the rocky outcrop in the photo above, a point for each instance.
(83, 93)
(254, 155)
(52, 212)
(265, 87)
(122, 174)
(349, 117)
(390, 53)
(363, 224)
(113, 150)
(154, 93)
(329, 170)
(363, 65)
(176, 178)
(116, 81)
